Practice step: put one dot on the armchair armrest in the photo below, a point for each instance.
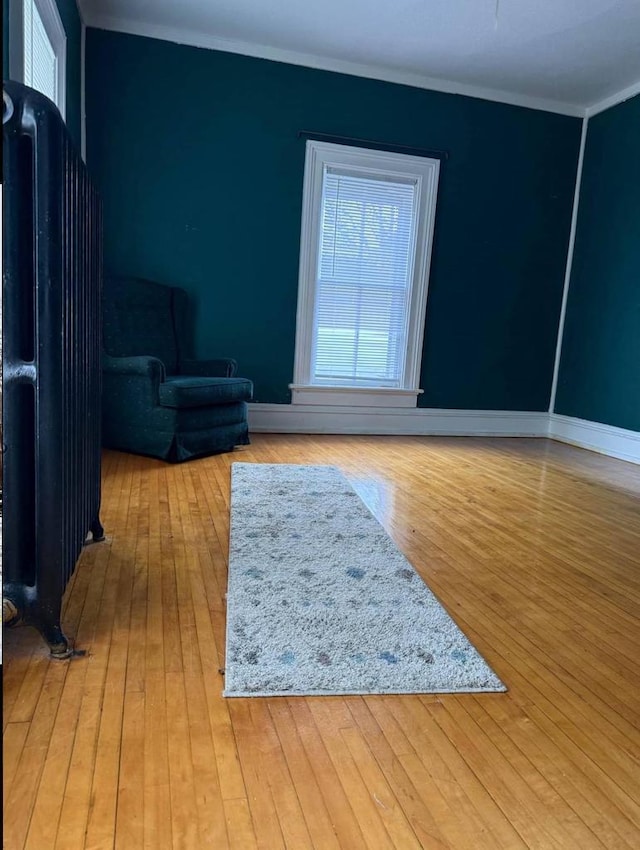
(223, 367)
(132, 380)
(142, 366)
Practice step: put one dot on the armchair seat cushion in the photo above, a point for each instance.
(180, 391)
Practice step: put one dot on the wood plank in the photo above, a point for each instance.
(47, 806)
(157, 818)
(18, 810)
(12, 745)
(101, 820)
(239, 825)
(511, 725)
(158, 827)
(129, 828)
(367, 809)
(540, 816)
(77, 795)
(184, 811)
(19, 645)
(435, 823)
(29, 692)
(259, 792)
(391, 803)
(334, 796)
(464, 791)
(212, 812)
(316, 815)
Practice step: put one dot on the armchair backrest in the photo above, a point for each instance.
(139, 318)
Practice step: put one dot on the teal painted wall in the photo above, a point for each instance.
(599, 376)
(199, 165)
(73, 29)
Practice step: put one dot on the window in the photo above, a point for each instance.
(367, 228)
(38, 48)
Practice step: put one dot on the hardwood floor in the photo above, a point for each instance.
(532, 546)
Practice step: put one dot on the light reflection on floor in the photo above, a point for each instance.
(378, 495)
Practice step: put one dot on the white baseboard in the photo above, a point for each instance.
(316, 419)
(606, 439)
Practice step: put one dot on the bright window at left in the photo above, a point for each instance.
(44, 50)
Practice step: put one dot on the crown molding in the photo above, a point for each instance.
(194, 38)
(614, 99)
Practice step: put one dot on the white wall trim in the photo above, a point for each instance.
(606, 439)
(211, 42)
(308, 225)
(567, 272)
(314, 419)
(614, 99)
(354, 396)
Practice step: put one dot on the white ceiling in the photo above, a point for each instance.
(558, 54)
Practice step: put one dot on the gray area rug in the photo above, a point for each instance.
(321, 601)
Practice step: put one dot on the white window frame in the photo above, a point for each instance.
(425, 172)
(54, 28)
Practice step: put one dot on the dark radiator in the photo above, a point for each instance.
(52, 282)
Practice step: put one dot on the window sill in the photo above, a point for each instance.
(354, 396)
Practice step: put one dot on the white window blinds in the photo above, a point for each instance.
(40, 61)
(364, 273)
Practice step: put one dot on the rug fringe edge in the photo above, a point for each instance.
(247, 694)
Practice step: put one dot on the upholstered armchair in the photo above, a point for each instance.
(157, 399)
